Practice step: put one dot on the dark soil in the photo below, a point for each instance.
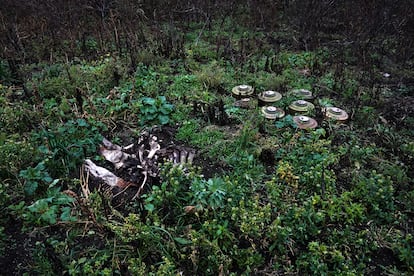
(210, 168)
(267, 157)
(18, 251)
(383, 257)
(397, 110)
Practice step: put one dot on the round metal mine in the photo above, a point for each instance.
(303, 94)
(244, 103)
(305, 122)
(270, 96)
(301, 106)
(272, 112)
(242, 90)
(336, 113)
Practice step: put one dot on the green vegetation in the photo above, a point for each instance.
(154, 111)
(261, 197)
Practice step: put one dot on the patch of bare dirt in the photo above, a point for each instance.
(383, 257)
(17, 255)
(398, 109)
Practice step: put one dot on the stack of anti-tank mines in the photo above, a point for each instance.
(268, 101)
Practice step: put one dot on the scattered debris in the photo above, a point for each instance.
(138, 163)
(114, 154)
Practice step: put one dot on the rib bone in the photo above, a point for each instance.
(145, 173)
(154, 147)
(183, 156)
(190, 157)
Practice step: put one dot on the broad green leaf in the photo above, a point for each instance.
(82, 123)
(166, 109)
(63, 199)
(54, 182)
(50, 215)
(150, 117)
(148, 101)
(39, 206)
(162, 99)
(66, 214)
(148, 109)
(149, 207)
(30, 187)
(82, 260)
(164, 119)
(182, 241)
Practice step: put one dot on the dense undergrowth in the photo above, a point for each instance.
(337, 200)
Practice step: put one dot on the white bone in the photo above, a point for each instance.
(154, 147)
(116, 157)
(102, 173)
(109, 145)
(183, 156)
(141, 153)
(190, 157)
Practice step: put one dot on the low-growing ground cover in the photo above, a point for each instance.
(261, 197)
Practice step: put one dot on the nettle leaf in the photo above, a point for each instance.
(285, 122)
(148, 109)
(43, 149)
(82, 122)
(280, 124)
(40, 166)
(66, 214)
(50, 216)
(320, 132)
(39, 206)
(150, 117)
(148, 101)
(30, 187)
(64, 199)
(152, 110)
(162, 99)
(164, 119)
(166, 109)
